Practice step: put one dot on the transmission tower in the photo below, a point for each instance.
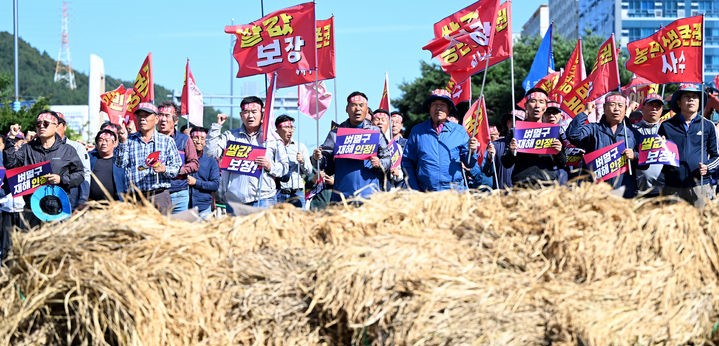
(63, 68)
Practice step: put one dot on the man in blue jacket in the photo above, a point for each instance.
(353, 177)
(696, 141)
(206, 180)
(611, 129)
(436, 148)
(106, 174)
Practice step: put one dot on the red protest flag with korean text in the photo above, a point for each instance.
(574, 73)
(143, 88)
(460, 92)
(603, 79)
(501, 47)
(477, 125)
(671, 55)
(475, 24)
(547, 83)
(384, 100)
(191, 103)
(326, 68)
(283, 39)
(114, 103)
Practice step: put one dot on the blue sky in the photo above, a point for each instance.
(372, 37)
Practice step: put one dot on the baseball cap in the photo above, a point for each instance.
(147, 107)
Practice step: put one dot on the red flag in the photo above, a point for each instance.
(474, 22)
(574, 73)
(638, 88)
(716, 81)
(308, 96)
(477, 125)
(603, 79)
(671, 55)
(547, 83)
(144, 87)
(191, 101)
(501, 48)
(114, 103)
(384, 100)
(267, 117)
(460, 92)
(283, 39)
(325, 58)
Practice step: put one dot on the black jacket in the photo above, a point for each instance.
(63, 160)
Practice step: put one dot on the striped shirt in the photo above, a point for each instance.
(131, 156)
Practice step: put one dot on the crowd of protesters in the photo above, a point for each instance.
(178, 169)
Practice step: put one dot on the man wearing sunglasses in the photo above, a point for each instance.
(67, 169)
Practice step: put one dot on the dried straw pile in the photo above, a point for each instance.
(562, 266)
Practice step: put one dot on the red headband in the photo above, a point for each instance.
(616, 98)
(168, 110)
(536, 96)
(251, 106)
(358, 98)
(47, 116)
(282, 124)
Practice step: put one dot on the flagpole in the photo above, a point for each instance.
(701, 109)
(232, 76)
(334, 84)
(389, 117)
(262, 11)
(511, 72)
(481, 93)
(624, 117)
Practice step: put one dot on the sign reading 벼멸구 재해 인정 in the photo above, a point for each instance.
(656, 150)
(607, 162)
(240, 158)
(356, 144)
(26, 179)
(536, 138)
(284, 39)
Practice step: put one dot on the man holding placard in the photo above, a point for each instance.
(355, 152)
(44, 160)
(249, 162)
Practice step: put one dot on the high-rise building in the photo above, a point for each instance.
(538, 23)
(632, 20)
(564, 14)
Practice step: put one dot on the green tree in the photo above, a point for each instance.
(498, 85)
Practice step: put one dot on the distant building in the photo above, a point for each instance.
(564, 14)
(632, 20)
(538, 23)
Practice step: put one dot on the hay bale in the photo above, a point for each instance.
(563, 265)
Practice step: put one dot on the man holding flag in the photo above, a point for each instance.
(247, 189)
(696, 142)
(436, 148)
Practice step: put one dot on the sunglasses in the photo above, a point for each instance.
(44, 123)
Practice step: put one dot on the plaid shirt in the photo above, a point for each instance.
(131, 156)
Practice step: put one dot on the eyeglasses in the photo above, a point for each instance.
(44, 124)
(198, 138)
